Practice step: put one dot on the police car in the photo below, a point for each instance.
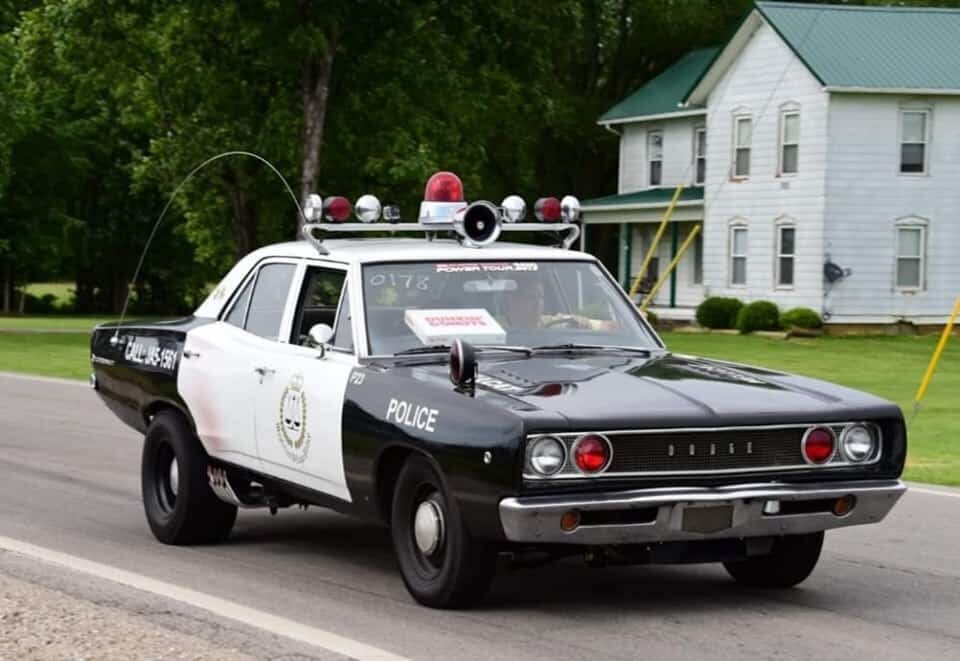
(484, 399)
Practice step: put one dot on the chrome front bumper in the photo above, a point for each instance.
(740, 509)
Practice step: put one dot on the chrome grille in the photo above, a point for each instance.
(708, 450)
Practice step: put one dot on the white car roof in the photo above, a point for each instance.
(365, 251)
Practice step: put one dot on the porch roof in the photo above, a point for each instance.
(645, 199)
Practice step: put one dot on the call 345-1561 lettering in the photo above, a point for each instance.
(151, 356)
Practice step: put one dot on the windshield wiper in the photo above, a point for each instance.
(573, 346)
(437, 348)
(429, 348)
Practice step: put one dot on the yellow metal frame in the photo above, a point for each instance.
(673, 264)
(656, 241)
(937, 353)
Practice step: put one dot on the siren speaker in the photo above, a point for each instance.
(478, 224)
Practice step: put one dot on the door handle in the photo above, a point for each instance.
(264, 371)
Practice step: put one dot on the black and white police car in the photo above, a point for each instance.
(484, 399)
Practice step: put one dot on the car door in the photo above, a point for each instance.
(299, 406)
(217, 377)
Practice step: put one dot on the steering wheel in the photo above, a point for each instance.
(567, 321)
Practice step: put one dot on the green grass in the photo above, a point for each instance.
(65, 355)
(62, 291)
(51, 323)
(890, 367)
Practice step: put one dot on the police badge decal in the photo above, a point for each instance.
(292, 427)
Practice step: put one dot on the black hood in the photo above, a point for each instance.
(622, 391)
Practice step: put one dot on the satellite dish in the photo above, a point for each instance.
(833, 271)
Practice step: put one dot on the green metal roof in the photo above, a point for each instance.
(872, 47)
(664, 93)
(652, 196)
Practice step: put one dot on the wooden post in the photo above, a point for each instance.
(656, 241)
(670, 268)
(937, 353)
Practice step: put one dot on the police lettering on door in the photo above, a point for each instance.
(415, 416)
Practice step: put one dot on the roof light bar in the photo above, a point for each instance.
(336, 209)
(368, 209)
(547, 210)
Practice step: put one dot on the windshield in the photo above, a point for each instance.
(531, 304)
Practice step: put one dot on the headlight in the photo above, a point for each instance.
(547, 455)
(858, 442)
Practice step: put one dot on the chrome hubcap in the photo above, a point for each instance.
(174, 476)
(428, 527)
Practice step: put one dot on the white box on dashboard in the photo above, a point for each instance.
(444, 326)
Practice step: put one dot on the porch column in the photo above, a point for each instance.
(674, 245)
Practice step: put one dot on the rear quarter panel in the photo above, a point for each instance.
(135, 368)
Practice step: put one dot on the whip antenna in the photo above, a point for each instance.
(156, 225)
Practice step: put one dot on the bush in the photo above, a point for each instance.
(46, 304)
(651, 317)
(759, 315)
(719, 312)
(801, 318)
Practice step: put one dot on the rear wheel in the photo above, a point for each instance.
(177, 499)
(442, 566)
(790, 562)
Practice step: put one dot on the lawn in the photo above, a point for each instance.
(52, 323)
(49, 354)
(890, 367)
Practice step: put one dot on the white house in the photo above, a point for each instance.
(819, 139)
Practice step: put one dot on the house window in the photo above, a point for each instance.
(700, 155)
(911, 244)
(742, 140)
(789, 141)
(786, 254)
(738, 255)
(914, 125)
(655, 150)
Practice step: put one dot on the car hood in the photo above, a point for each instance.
(623, 391)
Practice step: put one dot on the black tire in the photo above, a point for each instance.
(790, 562)
(187, 512)
(459, 571)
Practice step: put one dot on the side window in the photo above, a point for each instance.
(318, 301)
(343, 333)
(239, 310)
(269, 299)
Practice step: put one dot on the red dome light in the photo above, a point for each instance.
(547, 209)
(819, 445)
(336, 209)
(444, 187)
(592, 453)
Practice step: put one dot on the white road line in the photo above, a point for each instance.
(932, 492)
(44, 379)
(250, 616)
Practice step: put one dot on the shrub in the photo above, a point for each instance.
(759, 315)
(651, 317)
(719, 312)
(801, 318)
(46, 304)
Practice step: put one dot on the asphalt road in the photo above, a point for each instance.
(69, 481)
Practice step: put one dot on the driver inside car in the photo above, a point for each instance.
(523, 309)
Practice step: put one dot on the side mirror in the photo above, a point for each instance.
(320, 335)
(463, 367)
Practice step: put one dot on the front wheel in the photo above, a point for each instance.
(442, 566)
(790, 562)
(177, 499)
